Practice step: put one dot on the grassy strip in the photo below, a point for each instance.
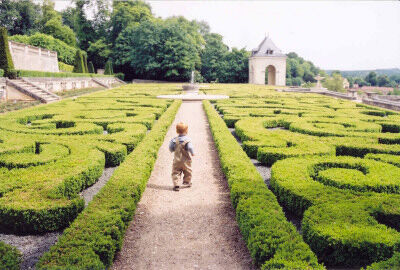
(97, 233)
(10, 257)
(273, 241)
(78, 92)
(32, 73)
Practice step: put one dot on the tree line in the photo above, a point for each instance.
(128, 34)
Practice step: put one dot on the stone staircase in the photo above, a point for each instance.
(33, 90)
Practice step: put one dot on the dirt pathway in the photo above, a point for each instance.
(194, 228)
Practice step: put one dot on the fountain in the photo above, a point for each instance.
(192, 87)
(191, 92)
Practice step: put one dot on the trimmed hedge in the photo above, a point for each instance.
(33, 73)
(1, 72)
(6, 63)
(48, 154)
(65, 68)
(93, 238)
(272, 240)
(10, 257)
(344, 224)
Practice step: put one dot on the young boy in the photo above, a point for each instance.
(182, 148)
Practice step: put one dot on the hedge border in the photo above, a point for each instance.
(97, 233)
(273, 242)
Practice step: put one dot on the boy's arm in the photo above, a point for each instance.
(190, 148)
(172, 145)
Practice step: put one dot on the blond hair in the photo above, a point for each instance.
(181, 128)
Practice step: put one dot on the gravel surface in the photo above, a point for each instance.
(194, 228)
(33, 247)
(89, 193)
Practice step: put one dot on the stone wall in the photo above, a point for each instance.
(28, 57)
(391, 105)
(60, 84)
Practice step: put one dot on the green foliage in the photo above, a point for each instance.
(85, 64)
(120, 76)
(108, 69)
(65, 53)
(161, 50)
(1, 72)
(372, 79)
(10, 257)
(6, 62)
(93, 238)
(20, 17)
(32, 73)
(91, 68)
(334, 163)
(99, 52)
(298, 70)
(273, 242)
(79, 66)
(334, 83)
(65, 68)
(55, 29)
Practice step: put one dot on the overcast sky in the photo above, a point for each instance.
(344, 35)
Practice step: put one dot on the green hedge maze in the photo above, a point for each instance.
(50, 153)
(335, 164)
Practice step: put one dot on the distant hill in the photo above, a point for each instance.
(363, 73)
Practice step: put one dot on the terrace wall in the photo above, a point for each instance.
(27, 57)
(61, 84)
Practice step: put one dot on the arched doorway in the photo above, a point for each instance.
(270, 75)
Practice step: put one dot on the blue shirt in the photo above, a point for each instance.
(182, 138)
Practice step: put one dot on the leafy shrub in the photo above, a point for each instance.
(79, 66)
(108, 69)
(33, 73)
(93, 238)
(65, 68)
(13, 74)
(6, 62)
(271, 239)
(10, 257)
(91, 67)
(65, 53)
(120, 75)
(1, 72)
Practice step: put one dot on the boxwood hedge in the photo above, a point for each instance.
(97, 233)
(273, 241)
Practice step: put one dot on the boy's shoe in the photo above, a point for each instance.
(176, 188)
(187, 184)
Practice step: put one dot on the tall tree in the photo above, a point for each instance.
(372, 78)
(212, 57)
(20, 17)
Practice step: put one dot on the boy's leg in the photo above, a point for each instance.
(187, 172)
(176, 174)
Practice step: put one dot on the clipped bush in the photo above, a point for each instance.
(120, 75)
(1, 72)
(108, 69)
(10, 257)
(85, 64)
(79, 66)
(97, 234)
(91, 68)
(273, 242)
(6, 62)
(64, 67)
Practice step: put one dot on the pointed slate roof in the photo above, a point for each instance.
(267, 48)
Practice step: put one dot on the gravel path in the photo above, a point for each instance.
(194, 228)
